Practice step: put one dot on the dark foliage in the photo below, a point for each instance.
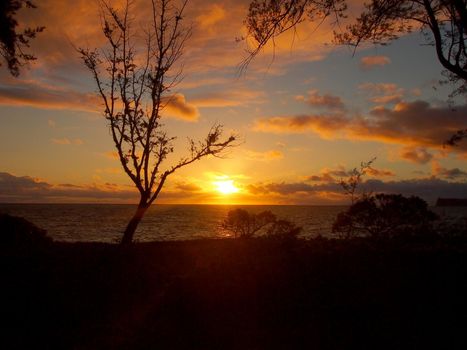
(12, 43)
(244, 224)
(385, 216)
(18, 233)
(283, 229)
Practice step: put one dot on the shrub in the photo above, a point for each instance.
(283, 229)
(20, 233)
(383, 216)
(245, 225)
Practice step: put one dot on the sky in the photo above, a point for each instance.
(306, 112)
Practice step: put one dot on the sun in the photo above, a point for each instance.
(226, 187)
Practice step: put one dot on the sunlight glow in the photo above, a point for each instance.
(226, 187)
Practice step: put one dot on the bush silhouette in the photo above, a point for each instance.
(384, 216)
(283, 229)
(245, 225)
(21, 233)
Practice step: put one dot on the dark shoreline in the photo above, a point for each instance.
(237, 294)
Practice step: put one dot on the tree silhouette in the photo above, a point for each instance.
(384, 216)
(135, 87)
(12, 43)
(244, 224)
(380, 22)
(354, 179)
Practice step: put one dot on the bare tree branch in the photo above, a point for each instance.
(135, 85)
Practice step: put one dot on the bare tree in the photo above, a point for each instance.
(13, 44)
(135, 87)
(354, 179)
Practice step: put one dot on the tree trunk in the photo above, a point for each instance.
(133, 224)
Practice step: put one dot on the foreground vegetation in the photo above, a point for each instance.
(257, 293)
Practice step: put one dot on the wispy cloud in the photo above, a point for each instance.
(383, 93)
(327, 101)
(266, 156)
(39, 95)
(416, 155)
(450, 174)
(330, 175)
(67, 141)
(369, 62)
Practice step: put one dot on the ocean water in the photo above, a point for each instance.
(105, 223)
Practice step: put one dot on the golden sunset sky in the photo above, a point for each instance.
(306, 115)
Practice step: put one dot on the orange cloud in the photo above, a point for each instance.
(369, 62)
(45, 96)
(374, 172)
(383, 93)
(416, 155)
(327, 101)
(212, 16)
(328, 175)
(229, 98)
(67, 141)
(416, 124)
(263, 156)
(324, 125)
(451, 174)
(177, 107)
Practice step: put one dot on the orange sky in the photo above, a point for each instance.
(305, 118)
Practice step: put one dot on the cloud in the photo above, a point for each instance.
(44, 96)
(188, 187)
(415, 124)
(177, 107)
(213, 15)
(263, 156)
(40, 95)
(450, 174)
(369, 62)
(111, 155)
(67, 141)
(416, 155)
(239, 96)
(335, 175)
(383, 93)
(374, 172)
(284, 188)
(27, 189)
(326, 101)
(301, 192)
(324, 125)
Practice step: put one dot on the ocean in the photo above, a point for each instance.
(106, 222)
